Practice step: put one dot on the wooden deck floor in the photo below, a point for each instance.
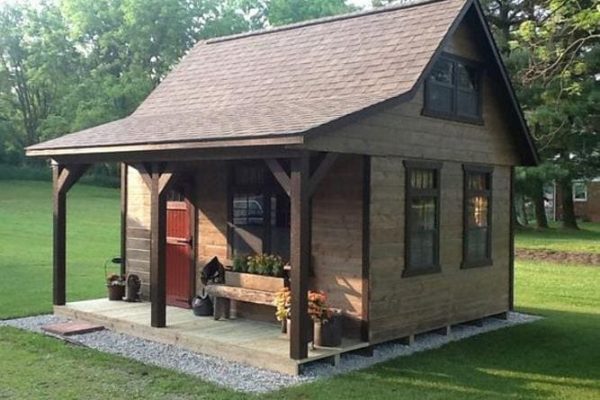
(255, 343)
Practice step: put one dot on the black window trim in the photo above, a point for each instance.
(409, 166)
(453, 116)
(469, 169)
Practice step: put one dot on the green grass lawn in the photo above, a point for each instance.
(93, 220)
(555, 358)
(585, 240)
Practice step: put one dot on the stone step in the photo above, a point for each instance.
(71, 328)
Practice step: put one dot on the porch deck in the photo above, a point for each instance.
(241, 340)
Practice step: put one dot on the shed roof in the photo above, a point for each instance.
(283, 81)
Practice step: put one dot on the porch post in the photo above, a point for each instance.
(63, 178)
(60, 240)
(158, 206)
(123, 217)
(158, 182)
(299, 256)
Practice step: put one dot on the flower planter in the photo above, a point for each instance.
(253, 281)
(328, 333)
(116, 292)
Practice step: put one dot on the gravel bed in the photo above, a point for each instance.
(246, 378)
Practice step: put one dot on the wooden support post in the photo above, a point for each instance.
(300, 257)
(511, 243)
(60, 241)
(123, 217)
(63, 178)
(159, 183)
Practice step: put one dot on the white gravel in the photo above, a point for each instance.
(246, 378)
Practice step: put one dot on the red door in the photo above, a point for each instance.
(179, 254)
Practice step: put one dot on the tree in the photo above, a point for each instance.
(562, 50)
(36, 65)
(551, 49)
(282, 12)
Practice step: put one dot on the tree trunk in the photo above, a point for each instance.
(515, 216)
(568, 208)
(524, 211)
(540, 210)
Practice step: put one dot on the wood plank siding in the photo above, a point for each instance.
(137, 243)
(337, 237)
(402, 130)
(401, 306)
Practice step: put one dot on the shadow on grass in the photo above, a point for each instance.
(554, 357)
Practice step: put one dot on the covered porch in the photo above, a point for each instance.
(299, 174)
(260, 344)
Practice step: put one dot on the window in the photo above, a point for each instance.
(477, 237)
(259, 213)
(579, 191)
(453, 90)
(422, 218)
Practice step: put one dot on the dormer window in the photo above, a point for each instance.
(453, 90)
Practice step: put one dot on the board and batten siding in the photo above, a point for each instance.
(402, 306)
(137, 244)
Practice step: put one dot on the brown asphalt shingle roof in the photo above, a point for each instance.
(282, 82)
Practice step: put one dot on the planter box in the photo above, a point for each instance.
(253, 281)
(329, 333)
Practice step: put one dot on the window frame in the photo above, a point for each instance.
(267, 188)
(453, 115)
(467, 194)
(409, 194)
(585, 192)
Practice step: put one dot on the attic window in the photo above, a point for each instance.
(453, 90)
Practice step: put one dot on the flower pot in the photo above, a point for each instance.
(309, 331)
(328, 333)
(253, 281)
(116, 292)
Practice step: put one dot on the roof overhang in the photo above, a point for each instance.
(169, 151)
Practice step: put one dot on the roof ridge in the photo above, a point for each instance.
(401, 4)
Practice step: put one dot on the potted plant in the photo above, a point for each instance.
(116, 287)
(283, 303)
(258, 272)
(327, 322)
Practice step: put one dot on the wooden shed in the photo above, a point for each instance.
(374, 152)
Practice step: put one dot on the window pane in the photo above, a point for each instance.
(423, 213)
(422, 179)
(247, 175)
(467, 104)
(477, 244)
(280, 222)
(579, 191)
(442, 72)
(467, 77)
(478, 211)
(439, 98)
(422, 249)
(248, 224)
(477, 181)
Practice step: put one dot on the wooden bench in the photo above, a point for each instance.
(223, 295)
